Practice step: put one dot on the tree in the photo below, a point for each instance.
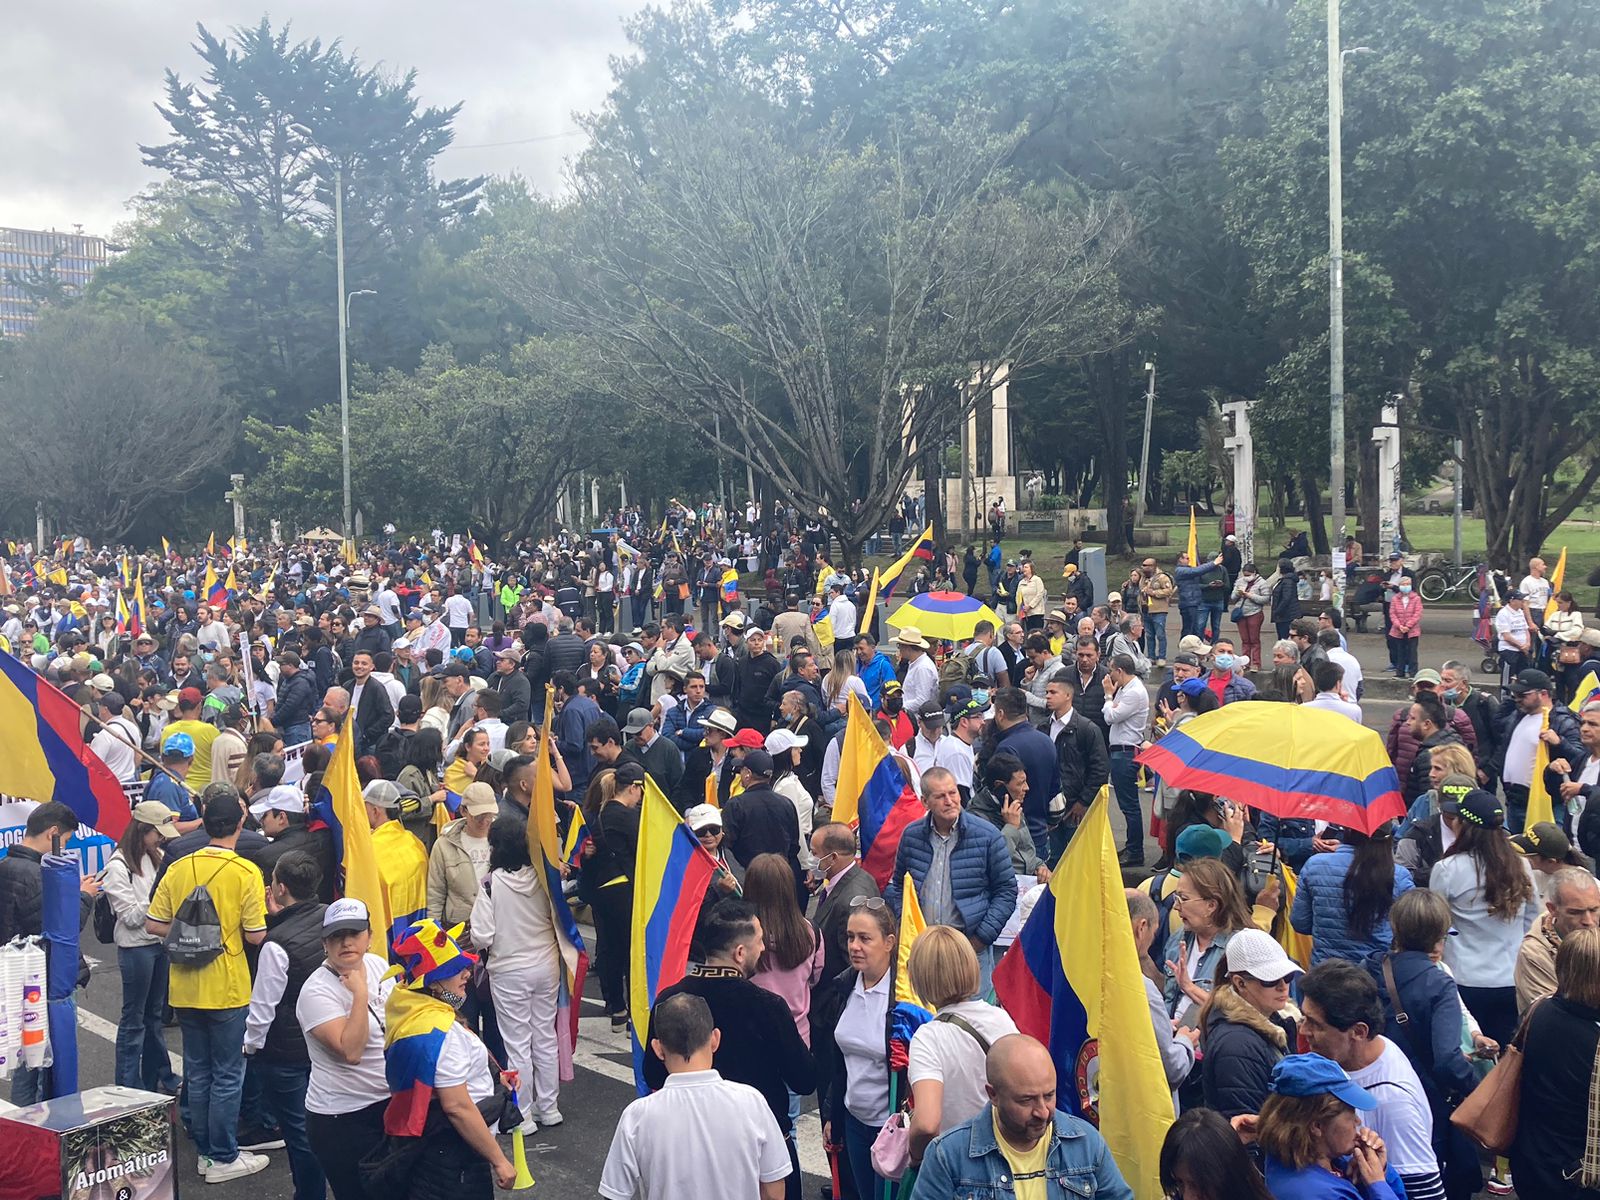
(836, 306)
(123, 419)
(488, 445)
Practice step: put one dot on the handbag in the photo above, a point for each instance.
(891, 1149)
(1237, 614)
(1489, 1115)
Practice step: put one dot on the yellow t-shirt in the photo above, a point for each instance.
(239, 893)
(199, 773)
(1027, 1168)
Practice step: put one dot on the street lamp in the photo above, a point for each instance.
(1336, 58)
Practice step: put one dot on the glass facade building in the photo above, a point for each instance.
(75, 256)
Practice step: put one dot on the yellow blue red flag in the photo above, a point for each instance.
(873, 795)
(1072, 980)
(545, 851)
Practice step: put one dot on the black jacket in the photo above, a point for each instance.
(759, 821)
(298, 930)
(22, 900)
(760, 1044)
(691, 789)
(1239, 1048)
(756, 673)
(297, 698)
(516, 695)
(564, 652)
(1084, 761)
(1562, 722)
(316, 842)
(833, 914)
(722, 679)
(374, 715)
(1553, 1110)
(1090, 700)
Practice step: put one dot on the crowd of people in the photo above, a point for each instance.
(1433, 943)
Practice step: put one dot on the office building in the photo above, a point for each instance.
(75, 257)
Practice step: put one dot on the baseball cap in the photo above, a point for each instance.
(157, 815)
(628, 774)
(1546, 839)
(892, 685)
(1257, 954)
(931, 712)
(284, 797)
(972, 706)
(1113, 597)
(746, 739)
(759, 763)
(1395, 556)
(1516, 594)
(1191, 643)
(1530, 681)
(638, 719)
(781, 741)
(703, 816)
(1454, 786)
(103, 683)
(345, 915)
(178, 743)
(499, 758)
(409, 709)
(1313, 1075)
(382, 793)
(1187, 659)
(508, 654)
(455, 671)
(478, 800)
(734, 620)
(1202, 841)
(721, 720)
(189, 697)
(1190, 687)
(1427, 675)
(1477, 806)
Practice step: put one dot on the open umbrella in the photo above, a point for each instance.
(948, 615)
(1285, 759)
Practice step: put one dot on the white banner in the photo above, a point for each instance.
(294, 762)
(91, 848)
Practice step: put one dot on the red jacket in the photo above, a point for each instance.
(1402, 744)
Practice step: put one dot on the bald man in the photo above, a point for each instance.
(1021, 1136)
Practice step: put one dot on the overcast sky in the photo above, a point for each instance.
(82, 77)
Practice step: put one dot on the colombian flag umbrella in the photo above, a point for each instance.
(1285, 759)
(951, 616)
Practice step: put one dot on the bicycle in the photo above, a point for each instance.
(1436, 583)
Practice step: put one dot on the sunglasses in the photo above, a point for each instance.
(870, 903)
(706, 831)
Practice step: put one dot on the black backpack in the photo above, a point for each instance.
(105, 921)
(195, 935)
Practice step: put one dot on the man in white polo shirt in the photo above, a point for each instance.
(700, 1135)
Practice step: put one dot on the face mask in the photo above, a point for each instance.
(457, 1002)
(1452, 695)
(1405, 589)
(1224, 662)
(893, 704)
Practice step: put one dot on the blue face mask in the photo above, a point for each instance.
(1405, 589)
(1224, 662)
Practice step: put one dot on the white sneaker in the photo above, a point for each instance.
(528, 1128)
(246, 1164)
(203, 1164)
(550, 1116)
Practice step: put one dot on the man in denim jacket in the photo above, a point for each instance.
(1020, 1141)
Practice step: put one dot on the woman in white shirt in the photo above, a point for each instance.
(1493, 902)
(785, 746)
(860, 1102)
(512, 922)
(130, 876)
(340, 1011)
(947, 1055)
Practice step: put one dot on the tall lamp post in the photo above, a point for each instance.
(1336, 57)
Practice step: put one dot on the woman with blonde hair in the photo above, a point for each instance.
(1313, 1140)
(435, 705)
(1211, 908)
(947, 1055)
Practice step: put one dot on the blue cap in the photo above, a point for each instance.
(1201, 841)
(178, 743)
(1190, 687)
(1313, 1075)
(464, 654)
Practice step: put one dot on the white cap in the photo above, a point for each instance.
(780, 741)
(702, 816)
(347, 915)
(1257, 954)
(285, 797)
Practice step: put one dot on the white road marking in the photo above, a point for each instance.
(107, 1030)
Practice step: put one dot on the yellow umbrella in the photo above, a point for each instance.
(951, 616)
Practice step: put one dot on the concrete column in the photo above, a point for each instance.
(1241, 447)
(1387, 435)
(1000, 427)
(594, 499)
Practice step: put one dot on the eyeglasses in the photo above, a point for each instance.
(870, 903)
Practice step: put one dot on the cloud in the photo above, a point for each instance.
(82, 80)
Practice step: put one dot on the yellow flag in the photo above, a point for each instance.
(1296, 945)
(59, 577)
(1557, 579)
(911, 926)
(1540, 805)
(209, 584)
(166, 548)
(211, 543)
(872, 604)
(361, 877)
(1194, 550)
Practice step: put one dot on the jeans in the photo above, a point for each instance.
(1125, 782)
(1155, 634)
(1189, 615)
(858, 1139)
(295, 734)
(283, 1091)
(1403, 654)
(1211, 622)
(141, 1052)
(213, 1074)
(30, 1085)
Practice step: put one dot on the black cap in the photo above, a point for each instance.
(759, 763)
(409, 709)
(454, 670)
(1477, 806)
(628, 774)
(931, 712)
(1530, 681)
(1187, 659)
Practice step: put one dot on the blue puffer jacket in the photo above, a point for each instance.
(1321, 911)
(981, 880)
(1189, 585)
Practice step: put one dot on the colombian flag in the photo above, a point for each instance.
(474, 553)
(670, 876)
(339, 807)
(136, 613)
(873, 795)
(577, 838)
(403, 867)
(43, 756)
(1072, 980)
(921, 549)
(730, 586)
(414, 1027)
